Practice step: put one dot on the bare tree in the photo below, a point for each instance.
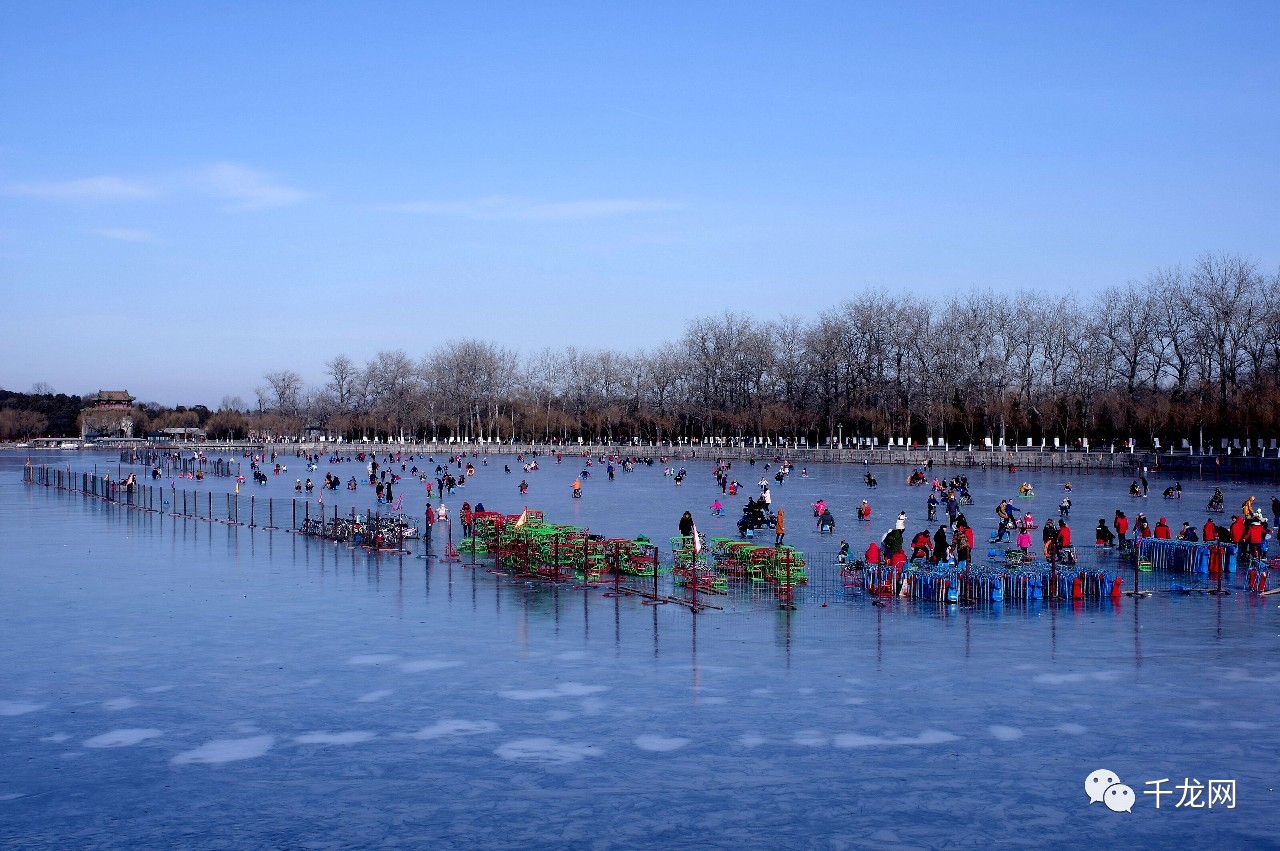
(343, 382)
(286, 391)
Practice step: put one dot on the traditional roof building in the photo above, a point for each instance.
(108, 413)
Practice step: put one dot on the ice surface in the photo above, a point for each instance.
(335, 698)
(1006, 734)
(374, 696)
(350, 737)
(453, 727)
(119, 704)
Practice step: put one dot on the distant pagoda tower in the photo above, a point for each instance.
(108, 413)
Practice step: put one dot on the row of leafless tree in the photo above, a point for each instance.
(1183, 353)
(21, 425)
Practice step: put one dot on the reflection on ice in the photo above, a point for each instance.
(14, 707)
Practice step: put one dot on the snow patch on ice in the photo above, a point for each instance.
(561, 690)
(122, 738)
(56, 738)
(546, 750)
(454, 727)
(373, 659)
(119, 704)
(350, 737)
(928, 737)
(428, 665)
(374, 696)
(219, 751)
(15, 707)
(660, 744)
(1069, 679)
(1005, 734)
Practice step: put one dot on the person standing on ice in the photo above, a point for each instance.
(686, 524)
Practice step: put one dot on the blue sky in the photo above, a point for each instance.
(194, 194)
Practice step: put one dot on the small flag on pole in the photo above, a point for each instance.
(399, 500)
(697, 541)
(524, 517)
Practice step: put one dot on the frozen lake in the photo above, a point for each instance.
(175, 683)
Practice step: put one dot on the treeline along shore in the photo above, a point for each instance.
(1186, 358)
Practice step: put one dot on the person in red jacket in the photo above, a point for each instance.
(920, 545)
(1237, 529)
(1255, 534)
(1162, 529)
(1122, 525)
(1210, 531)
(872, 555)
(1064, 534)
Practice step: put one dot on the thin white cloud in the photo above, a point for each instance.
(246, 188)
(503, 207)
(240, 187)
(102, 188)
(126, 234)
